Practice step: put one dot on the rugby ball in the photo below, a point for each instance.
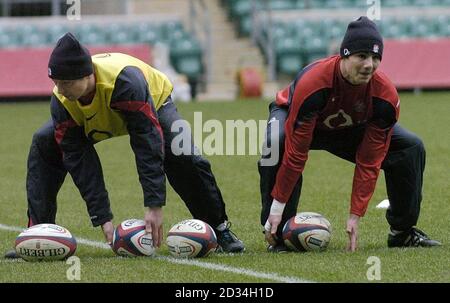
(131, 240)
(45, 242)
(191, 239)
(307, 231)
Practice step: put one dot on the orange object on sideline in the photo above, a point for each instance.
(250, 82)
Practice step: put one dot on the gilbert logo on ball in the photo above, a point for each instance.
(191, 239)
(45, 242)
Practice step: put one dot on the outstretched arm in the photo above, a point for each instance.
(369, 157)
(132, 98)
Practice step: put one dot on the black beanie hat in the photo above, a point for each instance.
(362, 35)
(69, 60)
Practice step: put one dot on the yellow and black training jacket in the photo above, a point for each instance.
(127, 96)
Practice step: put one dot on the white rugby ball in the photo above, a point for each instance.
(191, 239)
(131, 240)
(307, 231)
(45, 242)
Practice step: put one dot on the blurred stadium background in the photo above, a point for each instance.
(228, 50)
(222, 49)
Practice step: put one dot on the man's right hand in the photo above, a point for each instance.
(108, 231)
(271, 229)
(276, 212)
(153, 224)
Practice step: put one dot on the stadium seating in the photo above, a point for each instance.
(237, 8)
(303, 41)
(186, 53)
(288, 55)
(186, 56)
(297, 42)
(239, 11)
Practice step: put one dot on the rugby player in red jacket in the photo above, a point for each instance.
(343, 105)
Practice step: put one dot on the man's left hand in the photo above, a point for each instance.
(153, 224)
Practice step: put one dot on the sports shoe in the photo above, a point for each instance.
(11, 254)
(411, 238)
(227, 240)
(278, 249)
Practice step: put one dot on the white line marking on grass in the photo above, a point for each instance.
(236, 270)
(11, 228)
(190, 262)
(92, 243)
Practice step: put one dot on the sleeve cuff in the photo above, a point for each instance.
(97, 221)
(154, 204)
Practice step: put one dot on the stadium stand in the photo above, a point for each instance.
(278, 36)
(104, 23)
(24, 70)
(240, 11)
(186, 55)
(194, 33)
(300, 42)
(301, 31)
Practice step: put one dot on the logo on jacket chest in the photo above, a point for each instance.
(339, 119)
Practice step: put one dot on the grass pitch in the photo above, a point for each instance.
(326, 189)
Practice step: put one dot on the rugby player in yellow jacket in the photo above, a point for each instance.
(109, 95)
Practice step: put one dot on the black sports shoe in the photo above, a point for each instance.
(11, 254)
(411, 238)
(278, 249)
(227, 240)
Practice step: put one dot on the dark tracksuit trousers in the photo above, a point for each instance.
(190, 175)
(403, 169)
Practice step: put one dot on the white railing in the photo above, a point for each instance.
(199, 26)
